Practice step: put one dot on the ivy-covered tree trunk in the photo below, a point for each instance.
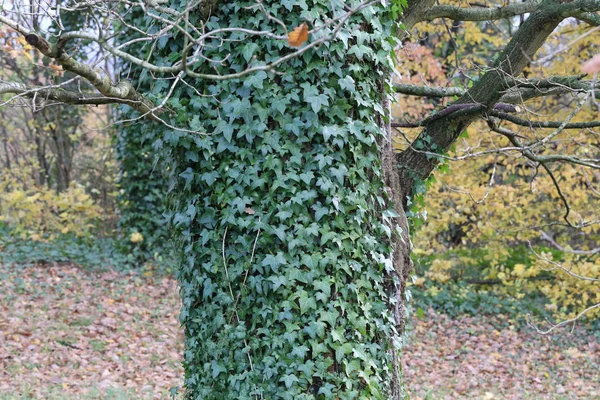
(288, 279)
(143, 187)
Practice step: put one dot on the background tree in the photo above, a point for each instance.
(55, 164)
(288, 195)
(484, 238)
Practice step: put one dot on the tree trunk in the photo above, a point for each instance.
(293, 263)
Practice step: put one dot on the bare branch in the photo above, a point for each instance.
(566, 322)
(123, 92)
(59, 94)
(550, 239)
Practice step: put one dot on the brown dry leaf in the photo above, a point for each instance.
(298, 36)
(57, 69)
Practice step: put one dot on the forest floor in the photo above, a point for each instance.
(67, 333)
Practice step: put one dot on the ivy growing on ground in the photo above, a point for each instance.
(279, 209)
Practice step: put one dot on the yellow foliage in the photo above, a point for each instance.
(39, 213)
(136, 237)
(499, 200)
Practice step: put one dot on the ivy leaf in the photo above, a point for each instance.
(274, 261)
(248, 50)
(327, 390)
(187, 176)
(278, 281)
(312, 97)
(300, 351)
(347, 83)
(337, 335)
(256, 80)
(330, 317)
(289, 380)
(306, 302)
(226, 129)
(323, 285)
(341, 351)
(329, 131)
(217, 369)
(288, 4)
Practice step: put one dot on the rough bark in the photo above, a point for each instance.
(401, 245)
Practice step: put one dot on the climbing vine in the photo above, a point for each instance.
(279, 205)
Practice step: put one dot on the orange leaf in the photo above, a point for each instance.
(57, 69)
(298, 36)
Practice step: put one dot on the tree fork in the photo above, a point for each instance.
(438, 136)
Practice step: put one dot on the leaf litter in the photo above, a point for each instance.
(489, 358)
(68, 333)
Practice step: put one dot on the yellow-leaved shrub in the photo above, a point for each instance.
(39, 213)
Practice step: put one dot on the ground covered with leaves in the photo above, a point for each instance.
(489, 358)
(67, 333)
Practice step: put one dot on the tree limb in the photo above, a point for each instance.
(62, 95)
(511, 10)
(515, 88)
(438, 136)
(544, 124)
(553, 242)
(456, 110)
(478, 13)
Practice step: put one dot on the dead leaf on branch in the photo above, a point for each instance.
(298, 36)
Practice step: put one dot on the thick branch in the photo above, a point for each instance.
(589, 18)
(438, 136)
(582, 9)
(61, 95)
(415, 11)
(544, 124)
(428, 91)
(518, 90)
(479, 13)
(457, 110)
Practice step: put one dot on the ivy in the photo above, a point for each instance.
(143, 177)
(278, 210)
